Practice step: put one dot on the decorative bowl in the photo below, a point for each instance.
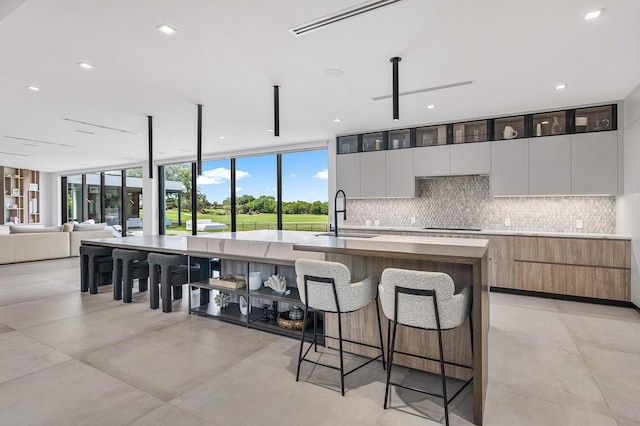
(285, 322)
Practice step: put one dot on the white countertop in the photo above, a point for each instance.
(485, 232)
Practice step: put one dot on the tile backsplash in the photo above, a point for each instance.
(464, 202)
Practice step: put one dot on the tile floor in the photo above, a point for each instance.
(69, 358)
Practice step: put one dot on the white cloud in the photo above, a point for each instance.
(313, 193)
(293, 175)
(322, 174)
(219, 175)
(271, 189)
(238, 189)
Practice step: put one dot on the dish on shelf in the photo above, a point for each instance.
(230, 281)
(284, 321)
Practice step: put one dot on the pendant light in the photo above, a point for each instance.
(199, 158)
(396, 107)
(276, 110)
(150, 134)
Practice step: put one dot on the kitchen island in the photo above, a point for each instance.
(464, 259)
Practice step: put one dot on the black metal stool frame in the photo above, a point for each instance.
(446, 400)
(314, 343)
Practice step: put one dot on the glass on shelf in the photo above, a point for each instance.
(429, 136)
(509, 128)
(549, 124)
(347, 144)
(594, 119)
(373, 142)
(399, 139)
(472, 131)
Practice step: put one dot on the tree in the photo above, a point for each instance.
(182, 173)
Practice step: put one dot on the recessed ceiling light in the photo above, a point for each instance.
(333, 74)
(164, 28)
(161, 152)
(337, 120)
(34, 88)
(85, 65)
(593, 15)
(432, 106)
(269, 130)
(220, 137)
(561, 86)
(183, 150)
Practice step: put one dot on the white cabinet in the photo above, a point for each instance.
(471, 158)
(348, 174)
(373, 174)
(594, 163)
(550, 165)
(400, 181)
(431, 161)
(510, 167)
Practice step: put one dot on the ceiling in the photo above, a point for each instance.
(227, 55)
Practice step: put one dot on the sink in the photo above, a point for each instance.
(340, 235)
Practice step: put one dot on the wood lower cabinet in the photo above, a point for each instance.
(543, 277)
(601, 283)
(502, 268)
(610, 253)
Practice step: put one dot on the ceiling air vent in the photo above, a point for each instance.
(339, 16)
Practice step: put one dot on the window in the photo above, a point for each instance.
(256, 192)
(177, 198)
(94, 196)
(213, 191)
(304, 191)
(74, 198)
(113, 198)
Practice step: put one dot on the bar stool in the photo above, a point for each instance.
(171, 271)
(95, 267)
(326, 286)
(127, 266)
(424, 300)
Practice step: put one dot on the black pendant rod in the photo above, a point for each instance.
(199, 159)
(150, 132)
(396, 91)
(276, 110)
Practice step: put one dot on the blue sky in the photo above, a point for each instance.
(304, 177)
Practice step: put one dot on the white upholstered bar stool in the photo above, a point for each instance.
(327, 287)
(423, 300)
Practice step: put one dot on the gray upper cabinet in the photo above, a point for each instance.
(594, 163)
(550, 165)
(400, 180)
(348, 174)
(510, 167)
(431, 161)
(472, 158)
(373, 174)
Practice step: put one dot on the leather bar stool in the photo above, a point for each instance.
(171, 271)
(424, 300)
(326, 286)
(95, 267)
(127, 266)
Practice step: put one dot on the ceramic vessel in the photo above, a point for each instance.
(255, 280)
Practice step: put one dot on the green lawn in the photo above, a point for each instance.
(299, 222)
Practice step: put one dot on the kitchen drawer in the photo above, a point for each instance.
(601, 283)
(541, 249)
(611, 253)
(543, 277)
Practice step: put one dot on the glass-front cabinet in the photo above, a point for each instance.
(471, 131)
(399, 139)
(509, 128)
(549, 124)
(374, 141)
(595, 119)
(431, 135)
(348, 144)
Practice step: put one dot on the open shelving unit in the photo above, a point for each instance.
(202, 298)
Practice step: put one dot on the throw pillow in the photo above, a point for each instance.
(89, 226)
(68, 227)
(91, 221)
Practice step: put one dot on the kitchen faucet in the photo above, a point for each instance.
(336, 211)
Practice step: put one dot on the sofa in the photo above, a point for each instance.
(45, 243)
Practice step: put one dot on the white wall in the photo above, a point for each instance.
(49, 199)
(628, 205)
